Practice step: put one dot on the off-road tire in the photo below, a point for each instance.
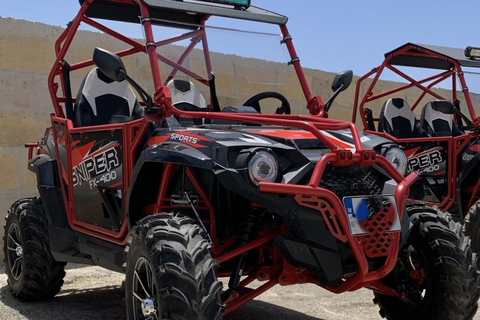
(33, 273)
(170, 256)
(451, 281)
(471, 226)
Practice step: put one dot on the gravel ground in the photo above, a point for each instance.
(92, 293)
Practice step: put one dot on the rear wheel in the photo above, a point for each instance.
(33, 274)
(170, 273)
(435, 272)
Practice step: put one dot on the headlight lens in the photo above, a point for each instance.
(398, 158)
(262, 167)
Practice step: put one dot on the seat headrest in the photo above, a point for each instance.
(436, 122)
(101, 100)
(183, 91)
(397, 107)
(97, 84)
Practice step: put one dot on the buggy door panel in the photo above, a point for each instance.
(97, 177)
(431, 161)
(92, 163)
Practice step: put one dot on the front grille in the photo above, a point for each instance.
(363, 181)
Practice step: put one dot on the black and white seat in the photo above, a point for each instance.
(397, 119)
(101, 100)
(186, 97)
(437, 123)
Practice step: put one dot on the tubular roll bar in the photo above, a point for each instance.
(369, 96)
(162, 98)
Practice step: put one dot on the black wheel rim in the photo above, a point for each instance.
(15, 251)
(145, 305)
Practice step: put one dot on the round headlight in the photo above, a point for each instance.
(398, 158)
(263, 167)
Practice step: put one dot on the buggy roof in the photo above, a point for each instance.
(173, 12)
(420, 55)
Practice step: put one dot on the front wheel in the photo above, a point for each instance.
(33, 274)
(435, 272)
(170, 273)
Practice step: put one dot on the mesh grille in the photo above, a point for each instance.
(360, 182)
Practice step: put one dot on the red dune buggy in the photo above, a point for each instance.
(432, 114)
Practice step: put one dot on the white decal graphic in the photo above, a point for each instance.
(101, 163)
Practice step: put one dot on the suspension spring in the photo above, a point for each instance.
(248, 232)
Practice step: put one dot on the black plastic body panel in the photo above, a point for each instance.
(65, 244)
(325, 263)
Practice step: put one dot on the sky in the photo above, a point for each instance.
(330, 35)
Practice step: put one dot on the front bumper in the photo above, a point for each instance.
(330, 206)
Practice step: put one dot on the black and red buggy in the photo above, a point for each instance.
(432, 113)
(178, 191)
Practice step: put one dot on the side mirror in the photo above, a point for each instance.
(444, 106)
(110, 64)
(342, 80)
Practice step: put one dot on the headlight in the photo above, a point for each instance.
(262, 167)
(398, 158)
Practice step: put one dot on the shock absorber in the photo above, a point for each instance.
(247, 232)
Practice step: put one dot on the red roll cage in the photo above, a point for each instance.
(449, 62)
(447, 65)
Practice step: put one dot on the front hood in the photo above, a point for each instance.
(306, 140)
(206, 140)
(228, 150)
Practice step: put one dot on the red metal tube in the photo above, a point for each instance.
(363, 276)
(240, 301)
(211, 209)
(241, 250)
(150, 46)
(297, 65)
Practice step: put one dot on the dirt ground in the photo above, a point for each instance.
(93, 293)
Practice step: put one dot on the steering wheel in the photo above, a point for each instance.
(254, 102)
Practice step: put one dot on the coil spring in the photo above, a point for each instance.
(248, 228)
(247, 232)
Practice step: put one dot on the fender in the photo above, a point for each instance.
(178, 153)
(45, 168)
(48, 183)
(148, 171)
